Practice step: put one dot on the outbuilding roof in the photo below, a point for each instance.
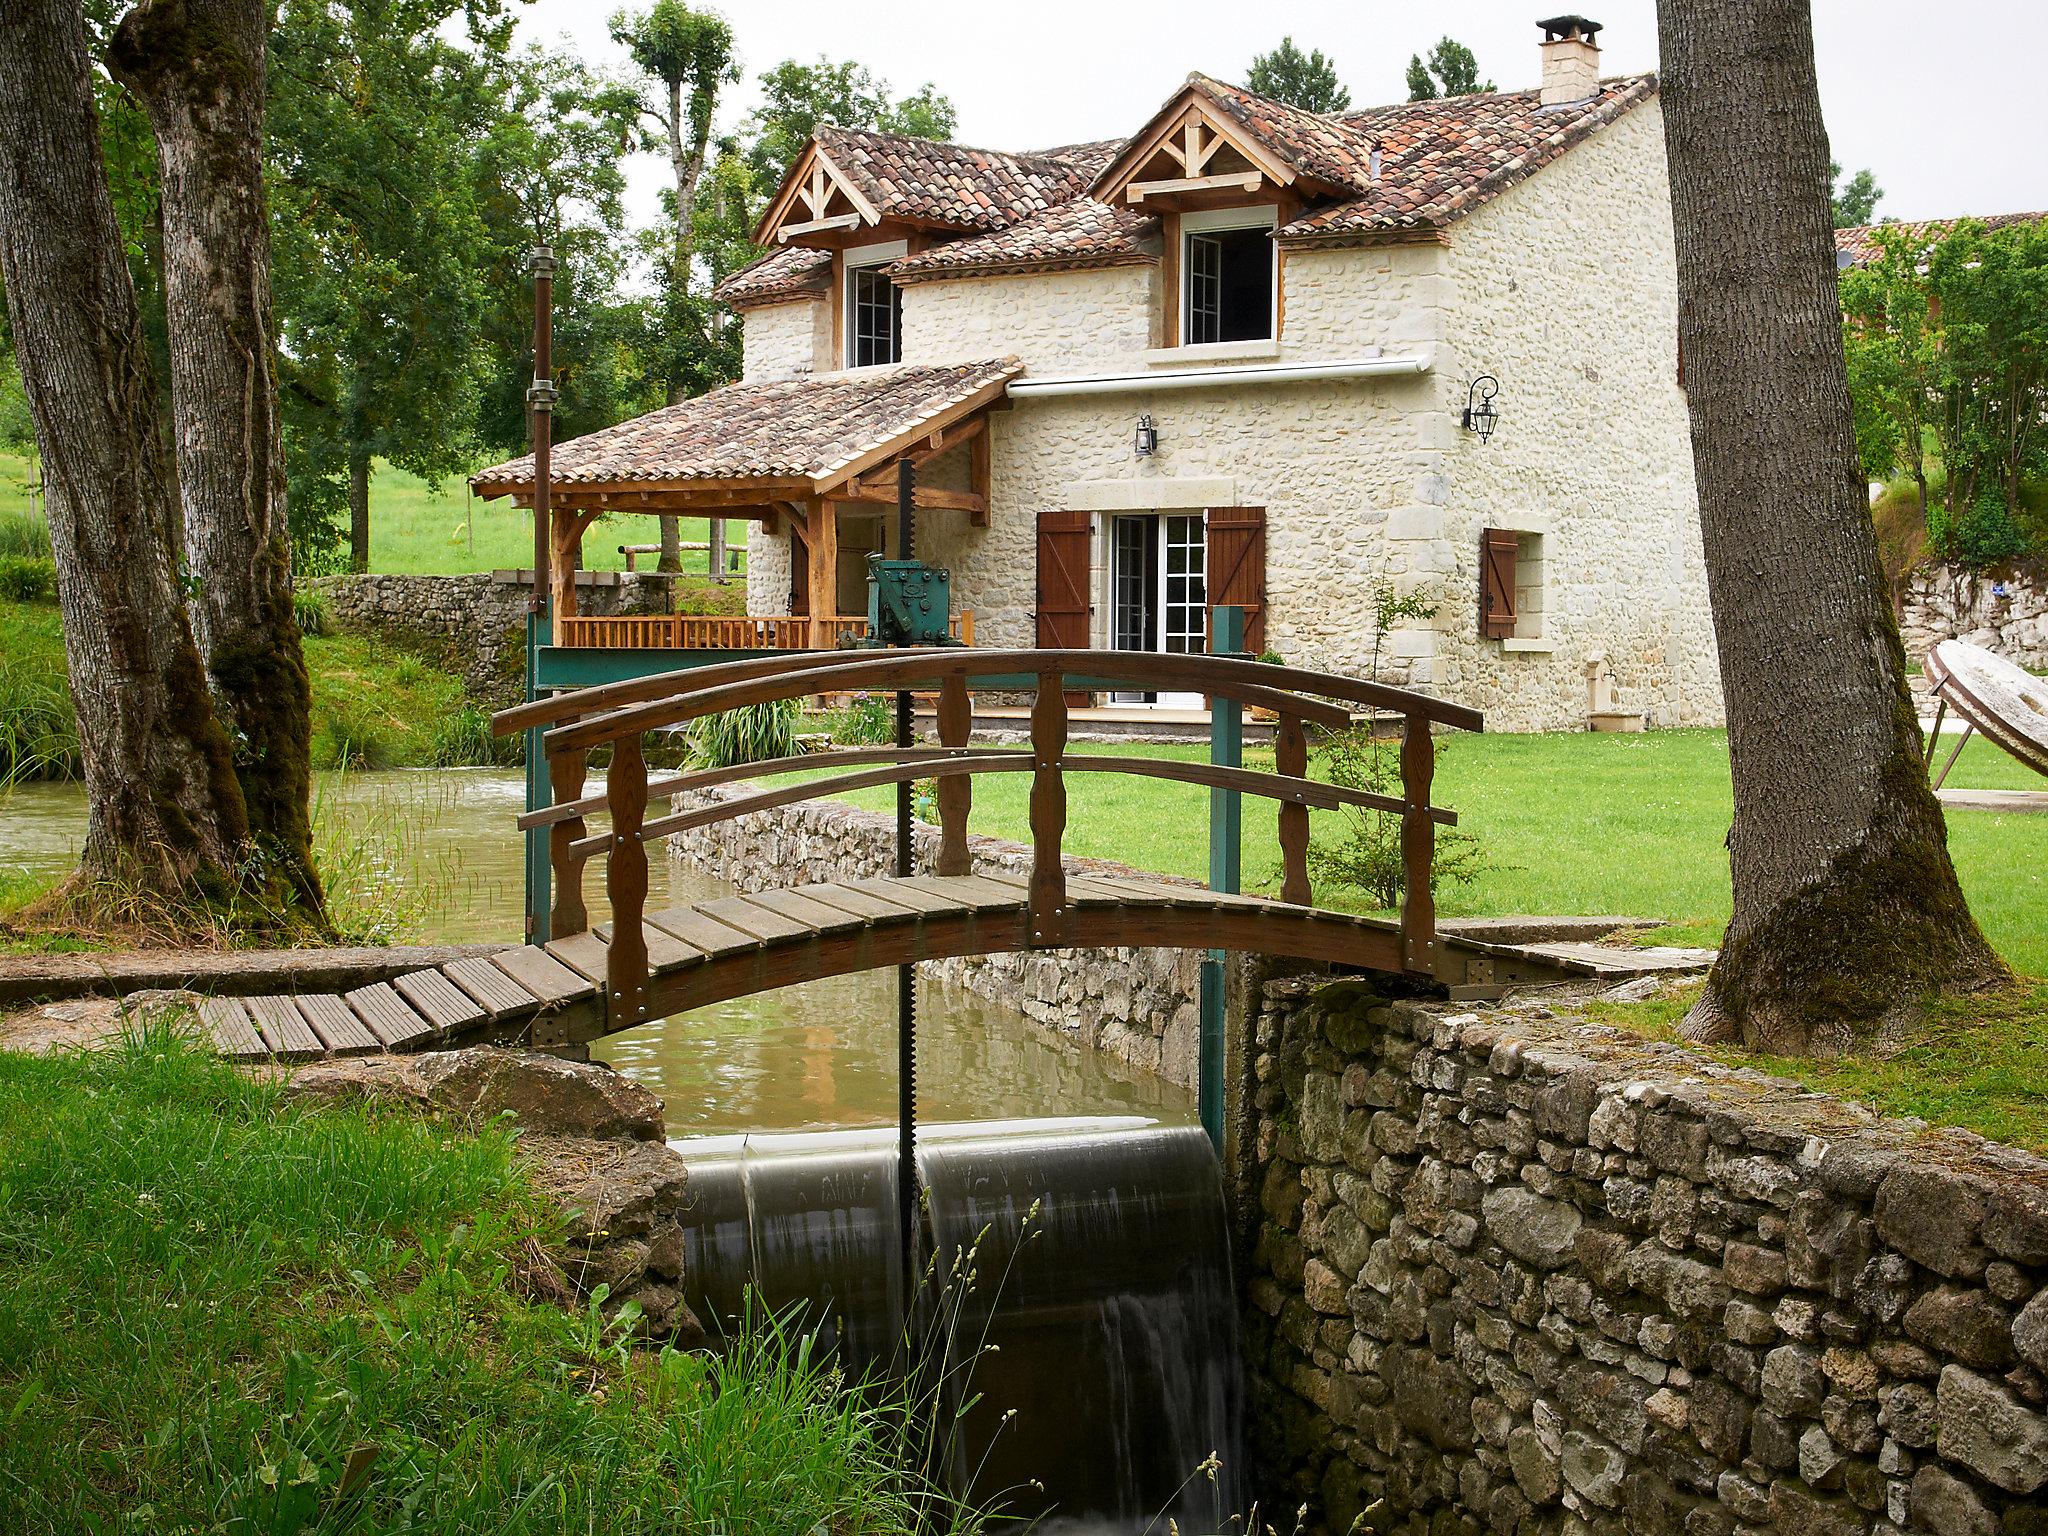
(815, 430)
(1860, 240)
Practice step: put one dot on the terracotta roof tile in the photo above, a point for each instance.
(794, 272)
(1861, 243)
(1441, 159)
(1082, 233)
(1332, 149)
(928, 181)
(801, 428)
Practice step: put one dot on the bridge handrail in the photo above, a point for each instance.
(606, 715)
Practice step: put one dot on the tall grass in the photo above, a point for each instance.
(751, 734)
(384, 878)
(38, 730)
(222, 1311)
(24, 536)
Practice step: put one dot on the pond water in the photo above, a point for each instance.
(438, 845)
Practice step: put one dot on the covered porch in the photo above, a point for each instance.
(799, 455)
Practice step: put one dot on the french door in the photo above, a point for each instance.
(1158, 580)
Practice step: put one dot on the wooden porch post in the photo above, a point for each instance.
(565, 534)
(824, 557)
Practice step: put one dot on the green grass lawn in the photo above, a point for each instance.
(221, 1311)
(1627, 825)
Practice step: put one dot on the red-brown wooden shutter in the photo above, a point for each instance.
(1237, 567)
(1063, 581)
(1499, 550)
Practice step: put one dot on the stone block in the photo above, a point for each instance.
(1935, 1217)
(1982, 1427)
(1541, 1233)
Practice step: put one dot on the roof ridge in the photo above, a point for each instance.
(971, 149)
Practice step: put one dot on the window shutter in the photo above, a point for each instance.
(1499, 552)
(1063, 581)
(1237, 568)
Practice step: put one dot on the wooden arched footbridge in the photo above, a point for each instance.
(586, 981)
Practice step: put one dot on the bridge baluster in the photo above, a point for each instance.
(1418, 846)
(566, 774)
(956, 791)
(1290, 756)
(626, 881)
(1048, 811)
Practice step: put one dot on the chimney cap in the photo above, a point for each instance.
(1560, 29)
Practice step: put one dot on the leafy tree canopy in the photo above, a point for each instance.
(796, 98)
(1856, 199)
(1305, 80)
(1450, 69)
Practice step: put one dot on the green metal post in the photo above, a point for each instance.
(1226, 846)
(539, 877)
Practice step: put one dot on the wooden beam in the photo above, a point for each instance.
(823, 553)
(818, 226)
(565, 528)
(864, 493)
(1169, 278)
(1234, 181)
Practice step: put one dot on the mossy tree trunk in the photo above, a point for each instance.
(1847, 912)
(197, 66)
(358, 510)
(164, 813)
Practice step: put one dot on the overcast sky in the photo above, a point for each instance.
(1942, 102)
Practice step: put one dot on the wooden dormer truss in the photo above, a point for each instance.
(1192, 155)
(816, 199)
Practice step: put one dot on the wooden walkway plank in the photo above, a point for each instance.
(763, 923)
(554, 983)
(665, 952)
(905, 894)
(340, 1031)
(971, 893)
(436, 998)
(227, 1023)
(491, 989)
(389, 1017)
(285, 1029)
(817, 915)
(705, 933)
(583, 953)
(863, 904)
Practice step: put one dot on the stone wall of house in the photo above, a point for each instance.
(2005, 611)
(1141, 1005)
(1519, 1274)
(782, 341)
(477, 623)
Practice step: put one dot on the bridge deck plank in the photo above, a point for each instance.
(802, 907)
(389, 1017)
(972, 893)
(284, 1028)
(745, 914)
(492, 990)
(340, 1031)
(665, 952)
(707, 934)
(862, 904)
(227, 1023)
(905, 894)
(554, 983)
(438, 999)
(583, 953)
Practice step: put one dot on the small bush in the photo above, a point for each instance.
(464, 740)
(310, 609)
(869, 720)
(1366, 855)
(24, 535)
(753, 734)
(28, 578)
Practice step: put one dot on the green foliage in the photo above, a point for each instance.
(38, 731)
(464, 740)
(223, 1310)
(310, 609)
(1450, 69)
(751, 734)
(24, 536)
(1363, 851)
(1305, 80)
(1946, 341)
(797, 98)
(1856, 199)
(869, 720)
(28, 578)
(347, 735)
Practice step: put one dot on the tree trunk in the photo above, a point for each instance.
(164, 814)
(197, 66)
(358, 512)
(671, 546)
(1847, 912)
(715, 559)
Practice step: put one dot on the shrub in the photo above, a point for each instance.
(27, 578)
(1984, 534)
(342, 738)
(464, 740)
(1366, 854)
(310, 608)
(752, 734)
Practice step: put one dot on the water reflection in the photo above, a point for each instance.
(807, 1057)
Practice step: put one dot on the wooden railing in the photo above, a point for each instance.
(618, 715)
(721, 632)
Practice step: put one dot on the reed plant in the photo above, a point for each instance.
(223, 1310)
(752, 734)
(24, 536)
(38, 730)
(386, 879)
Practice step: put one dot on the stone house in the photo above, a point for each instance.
(1251, 355)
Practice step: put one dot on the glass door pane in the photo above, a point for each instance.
(1185, 611)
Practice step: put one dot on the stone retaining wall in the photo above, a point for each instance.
(2005, 611)
(1143, 1005)
(478, 622)
(1517, 1274)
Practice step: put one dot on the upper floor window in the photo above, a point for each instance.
(1228, 264)
(874, 307)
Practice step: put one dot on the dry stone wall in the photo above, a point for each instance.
(1141, 1005)
(1517, 1274)
(2005, 611)
(477, 621)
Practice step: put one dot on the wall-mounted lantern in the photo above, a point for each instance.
(1145, 442)
(1480, 416)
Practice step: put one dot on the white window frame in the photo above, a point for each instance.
(1535, 549)
(1210, 221)
(854, 259)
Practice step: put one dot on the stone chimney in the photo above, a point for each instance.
(1571, 59)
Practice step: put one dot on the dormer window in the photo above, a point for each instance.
(873, 307)
(1227, 267)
